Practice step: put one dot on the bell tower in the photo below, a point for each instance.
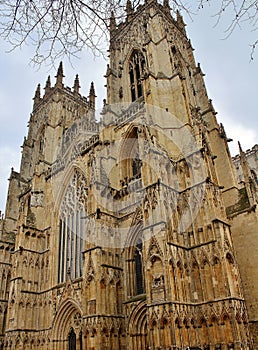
(151, 59)
(189, 278)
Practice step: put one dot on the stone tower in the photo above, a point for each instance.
(120, 230)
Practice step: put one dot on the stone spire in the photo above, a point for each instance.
(37, 97)
(60, 75)
(76, 86)
(113, 26)
(48, 85)
(92, 96)
(129, 10)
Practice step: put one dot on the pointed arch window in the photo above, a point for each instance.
(136, 69)
(132, 164)
(71, 231)
(139, 268)
(136, 166)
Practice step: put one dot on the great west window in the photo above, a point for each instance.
(71, 228)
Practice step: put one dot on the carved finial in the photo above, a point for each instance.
(112, 23)
(37, 93)
(92, 96)
(180, 21)
(240, 148)
(76, 86)
(68, 274)
(37, 98)
(198, 70)
(129, 10)
(92, 89)
(48, 85)
(60, 75)
(211, 107)
(166, 5)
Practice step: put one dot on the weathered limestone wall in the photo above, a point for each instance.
(244, 235)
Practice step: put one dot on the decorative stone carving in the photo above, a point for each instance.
(37, 199)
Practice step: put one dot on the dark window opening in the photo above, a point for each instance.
(80, 340)
(136, 71)
(138, 269)
(72, 340)
(136, 165)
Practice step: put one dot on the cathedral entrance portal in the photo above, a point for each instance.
(138, 327)
(68, 327)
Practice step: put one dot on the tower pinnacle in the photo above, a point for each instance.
(129, 10)
(48, 85)
(92, 96)
(76, 86)
(240, 148)
(166, 5)
(60, 75)
(37, 97)
(180, 21)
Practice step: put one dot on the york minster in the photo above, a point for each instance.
(137, 230)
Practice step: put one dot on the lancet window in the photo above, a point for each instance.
(136, 71)
(132, 163)
(134, 257)
(136, 165)
(71, 228)
(139, 268)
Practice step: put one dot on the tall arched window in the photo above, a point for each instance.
(131, 163)
(136, 165)
(139, 268)
(136, 70)
(71, 232)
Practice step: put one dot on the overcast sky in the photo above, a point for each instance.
(231, 80)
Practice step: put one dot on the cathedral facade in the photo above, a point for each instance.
(131, 232)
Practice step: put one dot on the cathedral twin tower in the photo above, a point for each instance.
(131, 232)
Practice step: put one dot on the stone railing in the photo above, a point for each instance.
(131, 112)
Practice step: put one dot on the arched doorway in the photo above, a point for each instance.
(68, 327)
(138, 334)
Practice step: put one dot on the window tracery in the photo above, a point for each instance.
(136, 71)
(71, 231)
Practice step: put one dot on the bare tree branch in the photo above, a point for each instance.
(60, 28)
(245, 13)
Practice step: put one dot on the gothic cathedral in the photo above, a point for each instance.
(130, 231)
